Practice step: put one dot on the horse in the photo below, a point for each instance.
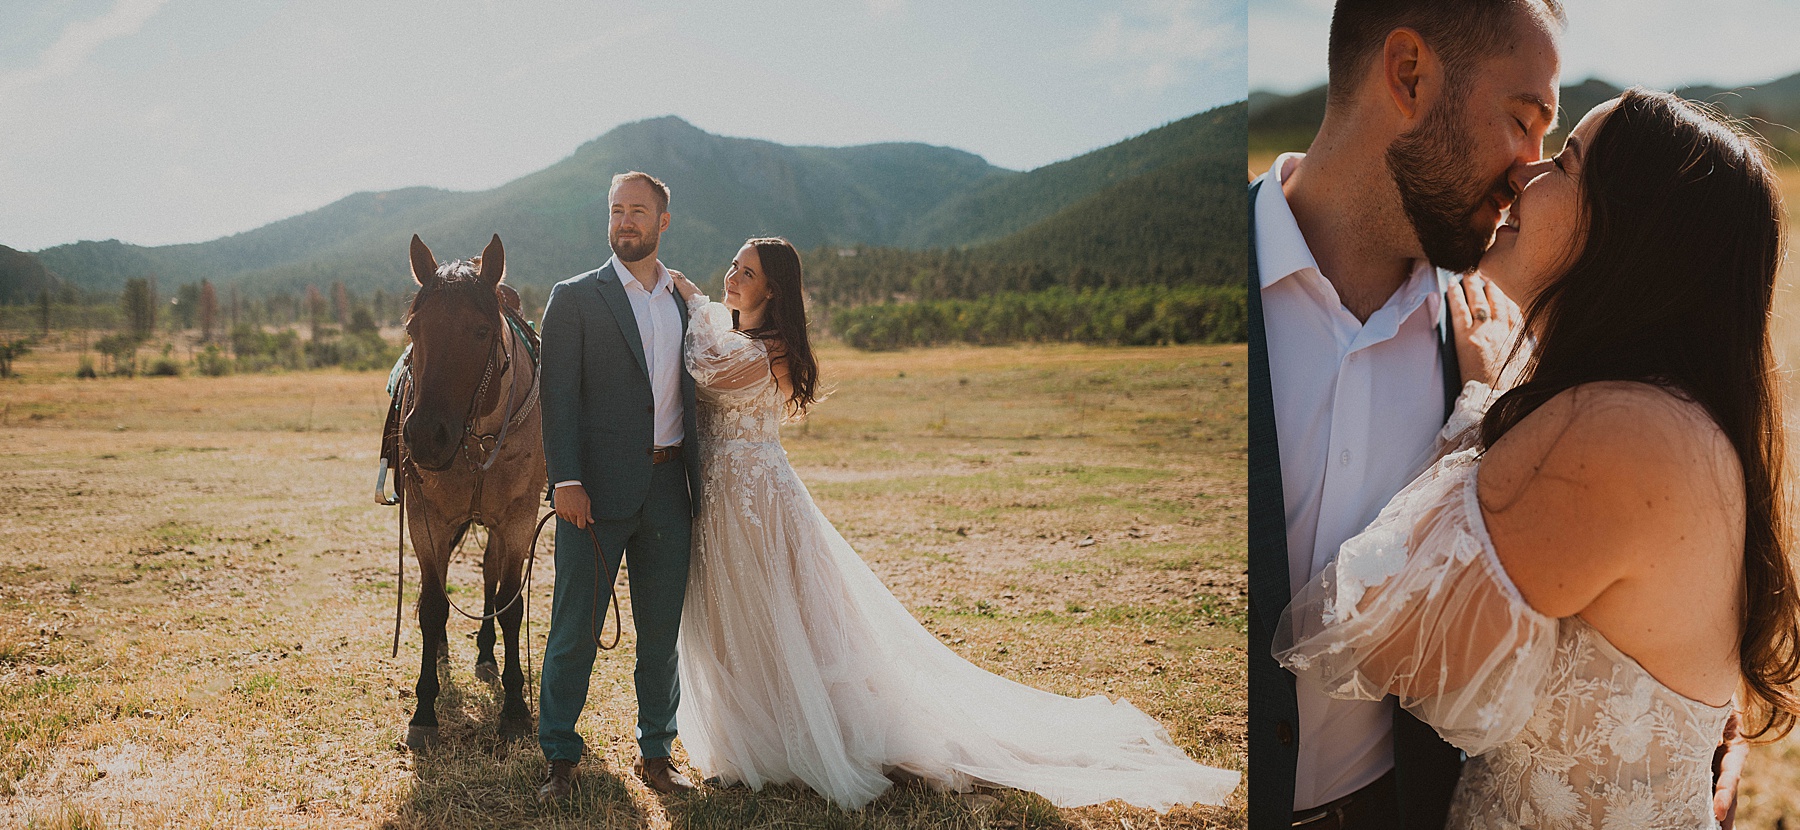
(471, 452)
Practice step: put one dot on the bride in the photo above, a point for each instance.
(1583, 588)
(798, 665)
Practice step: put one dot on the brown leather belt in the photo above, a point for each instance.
(1359, 809)
(659, 455)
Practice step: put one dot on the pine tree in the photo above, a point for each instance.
(315, 309)
(209, 310)
(138, 302)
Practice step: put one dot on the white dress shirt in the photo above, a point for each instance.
(659, 324)
(659, 327)
(1357, 405)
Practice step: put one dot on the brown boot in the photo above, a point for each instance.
(559, 784)
(662, 776)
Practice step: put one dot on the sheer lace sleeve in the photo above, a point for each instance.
(1464, 425)
(720, 359)
(1418, 605)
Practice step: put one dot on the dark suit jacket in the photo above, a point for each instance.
(599, 415)
(1425, 768)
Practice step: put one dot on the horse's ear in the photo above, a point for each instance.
(493, 262)
(424, 265)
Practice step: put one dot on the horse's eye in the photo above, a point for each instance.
(482, 332)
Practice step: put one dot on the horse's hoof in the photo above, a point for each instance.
(421, 738)
(513, 729)
(487, 672)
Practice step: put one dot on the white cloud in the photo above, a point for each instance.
(79, 41)
(1161, 42)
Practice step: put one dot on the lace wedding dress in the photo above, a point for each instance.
(1562, 729)
(798, 665)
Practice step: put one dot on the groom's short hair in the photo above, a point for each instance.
(656, 184)
(1461, 32)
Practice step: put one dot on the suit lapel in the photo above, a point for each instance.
(1268, 510)
(607, 281)
(1274, 709)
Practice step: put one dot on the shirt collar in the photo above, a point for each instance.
(1281, 250)
(663, 281)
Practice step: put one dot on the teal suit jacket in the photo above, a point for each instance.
(599, 414)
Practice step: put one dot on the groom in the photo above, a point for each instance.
(619, 442)
(1432, 106)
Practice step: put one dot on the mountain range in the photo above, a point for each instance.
(553, 221)
(1280, 123)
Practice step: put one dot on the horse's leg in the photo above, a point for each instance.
(485, 668)
(507, 564)
(434, 612)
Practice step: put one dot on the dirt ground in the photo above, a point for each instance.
(197, 590)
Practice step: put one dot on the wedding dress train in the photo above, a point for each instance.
(798, 665)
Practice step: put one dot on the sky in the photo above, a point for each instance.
(1655, 43)
(166, 121)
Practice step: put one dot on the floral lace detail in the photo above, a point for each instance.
(1607, 747)
(1563, 730)
(740, 412)
(741, 461)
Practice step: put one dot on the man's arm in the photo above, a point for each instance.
(560, 397)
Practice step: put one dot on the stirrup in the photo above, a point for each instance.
(381, 493)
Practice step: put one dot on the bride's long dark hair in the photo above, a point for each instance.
(784, 322)
(1673, 287)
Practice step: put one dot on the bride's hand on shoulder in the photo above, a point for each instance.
(683, 286)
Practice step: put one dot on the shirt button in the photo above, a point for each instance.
(1345, 458)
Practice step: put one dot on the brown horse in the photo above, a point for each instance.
(472, 453)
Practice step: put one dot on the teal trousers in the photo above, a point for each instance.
(656, 541)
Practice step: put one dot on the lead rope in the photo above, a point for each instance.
(594, 623)
(400, 562)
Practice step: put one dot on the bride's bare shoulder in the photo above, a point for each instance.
(1632, 427)
(1601, 480)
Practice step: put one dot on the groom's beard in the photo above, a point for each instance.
(634, 249)
(1441, 199)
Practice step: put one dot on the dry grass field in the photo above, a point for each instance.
(197, 590)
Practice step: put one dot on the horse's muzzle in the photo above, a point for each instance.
(432, 443)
